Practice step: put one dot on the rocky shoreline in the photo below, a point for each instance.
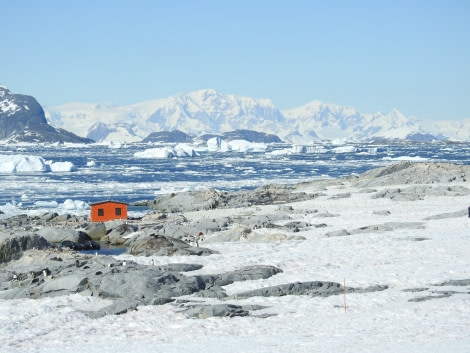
(38, 259)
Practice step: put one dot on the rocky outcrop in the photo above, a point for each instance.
(202, 311)
(22, 119)
(54, 272)
(251, 136)
(415, 173)
(12, 247)
(314, 289)
(61, 234)
(160, 245)
(211, 199)
(175, 136)
(386, 227)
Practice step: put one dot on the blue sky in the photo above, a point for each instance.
(374, 55)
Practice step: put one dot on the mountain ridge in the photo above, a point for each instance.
(22, 119)
(208, 111)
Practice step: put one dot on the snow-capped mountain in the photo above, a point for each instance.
(22, 119)
(211, 112)
(331, 121)
(197, 113)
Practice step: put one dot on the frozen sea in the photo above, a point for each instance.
(386, 321)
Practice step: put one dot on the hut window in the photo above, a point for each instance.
(101, 212)
(117, 211)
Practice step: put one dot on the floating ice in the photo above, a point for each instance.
(281, 152)
(26, 164)
(246, 146)
(180, 150)
(220, 145)
(46, 204)
(344, 149)
(75, 207)
(308, 149)
(61, 166)
(21, 164)
(217, 144)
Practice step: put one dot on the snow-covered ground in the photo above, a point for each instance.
(384, 321)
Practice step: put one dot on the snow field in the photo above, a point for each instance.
(384, 321)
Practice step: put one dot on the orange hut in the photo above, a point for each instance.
(107, 211)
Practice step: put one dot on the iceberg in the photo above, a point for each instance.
(281, 152)
(246, 146)
(61, 166)
(22, 164)
(32, 164)
(180, 150)
(183, 150)
(217, 144)
(308, 149)
(345, 149)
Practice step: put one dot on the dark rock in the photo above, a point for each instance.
(418, 173)
(210, 199)
(26, 122)
(95, 231)
(116, 235)
(118, 307)
(429, 297)
(386, 227)
(412, 290)
(382, 213)
(62, 218)
(457, 214)
(60, 234)
(252, 136)
(247, 135)
(175, 136)
(128, 284)
(315, 288)
(13, 248)
(247, 273)
(86, 245)
(218, 310)
(456, 282)
(159, 245)
(48, 216)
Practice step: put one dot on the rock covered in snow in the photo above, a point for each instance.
(22, 119)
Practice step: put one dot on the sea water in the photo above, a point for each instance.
(104, 173)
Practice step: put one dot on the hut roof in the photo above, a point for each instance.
(108, 201)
